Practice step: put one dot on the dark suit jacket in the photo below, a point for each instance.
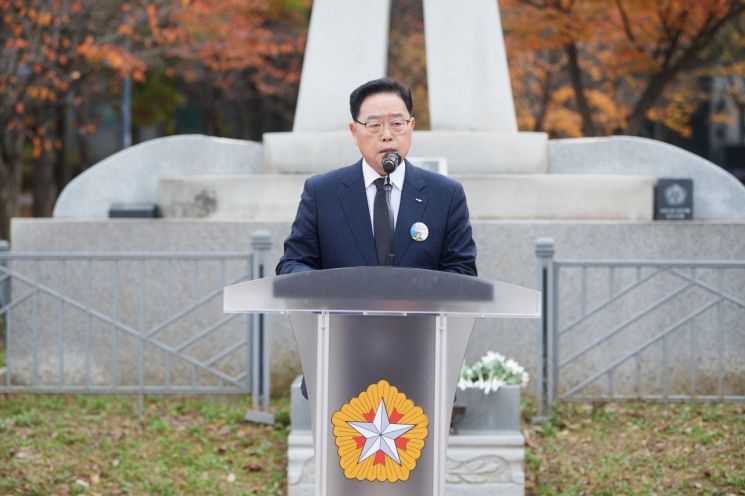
(332, 228)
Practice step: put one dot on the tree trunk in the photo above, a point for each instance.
(650, 96)
(84, 150)
(215, 102)
(61, 167)
(7, 205)
(10, 182)
(255, 107)
(548, 87)
(672, 66)
(208, 108)
(575, 75)
(135, 135)
(43, 190)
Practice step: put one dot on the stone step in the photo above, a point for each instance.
(466, 151)
(265, 197)
(260, 197)
(554, 196)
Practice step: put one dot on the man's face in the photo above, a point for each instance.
(383, 108)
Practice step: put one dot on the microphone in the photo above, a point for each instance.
(391, 161)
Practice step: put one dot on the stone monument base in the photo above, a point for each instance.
(274, 197)
(481, 152)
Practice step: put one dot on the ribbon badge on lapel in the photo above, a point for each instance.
(419, 231)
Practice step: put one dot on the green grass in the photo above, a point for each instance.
(99, 445)
(637, 449)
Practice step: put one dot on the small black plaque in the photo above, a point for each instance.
(133, 210)
(674, 199)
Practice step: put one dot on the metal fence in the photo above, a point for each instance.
(131, 323)
(656, 330)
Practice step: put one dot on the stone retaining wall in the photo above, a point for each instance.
(505, 253)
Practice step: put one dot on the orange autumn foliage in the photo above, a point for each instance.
(62, 58)
(588, 67)
(223, 38)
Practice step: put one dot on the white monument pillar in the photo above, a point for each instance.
(471, 110)
(467, 72)
(347, 45)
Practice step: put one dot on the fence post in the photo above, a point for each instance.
(4, 277)
(261, 242)
(4, 288)
(545, 379)
(4, 316)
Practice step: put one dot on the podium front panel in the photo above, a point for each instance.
(400, 352)
(410, 365)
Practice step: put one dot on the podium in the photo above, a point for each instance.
(381, 349)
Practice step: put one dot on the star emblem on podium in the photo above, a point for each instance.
(379, 434)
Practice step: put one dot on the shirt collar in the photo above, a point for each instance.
(397, 176)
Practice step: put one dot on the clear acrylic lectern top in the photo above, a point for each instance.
(382, 291)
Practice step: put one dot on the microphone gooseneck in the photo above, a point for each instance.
(391, 160)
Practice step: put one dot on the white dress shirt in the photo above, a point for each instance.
(397, 180)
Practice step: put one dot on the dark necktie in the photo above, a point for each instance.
(383, 222)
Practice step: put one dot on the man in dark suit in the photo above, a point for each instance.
(426, 213)
(336, 224)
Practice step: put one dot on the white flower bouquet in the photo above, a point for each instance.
(491, 372)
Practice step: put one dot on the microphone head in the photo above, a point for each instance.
(391, 160)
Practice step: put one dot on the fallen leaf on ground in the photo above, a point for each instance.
(253, 467)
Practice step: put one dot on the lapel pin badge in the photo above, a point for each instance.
(419, 231)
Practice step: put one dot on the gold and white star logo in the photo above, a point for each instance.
(379, 434)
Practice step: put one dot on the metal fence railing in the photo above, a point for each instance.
(655, 330)
(131, 323)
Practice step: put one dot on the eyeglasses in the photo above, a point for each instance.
(397, 126)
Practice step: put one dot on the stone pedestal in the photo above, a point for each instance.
(488, 463)
(496, 411)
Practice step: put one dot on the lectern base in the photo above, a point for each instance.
(478, 465)
(482, 463)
